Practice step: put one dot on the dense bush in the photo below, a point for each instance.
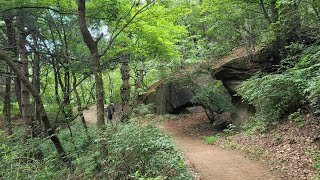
(146, 151)
(278, 95)
(273, 95)
(213, 99)
(120, 152)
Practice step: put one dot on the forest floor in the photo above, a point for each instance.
(212, 162)
(209, 162)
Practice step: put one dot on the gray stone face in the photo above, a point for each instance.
(171, 97)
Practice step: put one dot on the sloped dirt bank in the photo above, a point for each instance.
(287, 147)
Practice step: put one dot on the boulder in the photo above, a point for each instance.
(173, 96)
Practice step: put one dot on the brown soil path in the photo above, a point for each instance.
(212, 162)
(90, 114)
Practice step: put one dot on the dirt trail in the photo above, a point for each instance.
(209, 161)
(90, 114)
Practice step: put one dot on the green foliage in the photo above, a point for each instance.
(134, 148)
(211, 139)
(273, 95)
(278, 95)
(314, 153)
(254, 125)
(296, 117)
(213, 99)
(143, 109)
(230, 130)
(119, 152)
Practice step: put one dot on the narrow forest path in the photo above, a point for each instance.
(210, 162)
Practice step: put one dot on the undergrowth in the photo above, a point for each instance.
(285, 92)
(125, 151)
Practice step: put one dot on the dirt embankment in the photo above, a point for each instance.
(287, 146)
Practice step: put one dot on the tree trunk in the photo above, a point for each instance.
(56, 83)
(11, 34)
(17, 90)
(125, 92)
(140, 74)
(44, 117)
(264, 11)
(80, 109)
(95, 62)
(25, 96)
(36, 83)
(7, 106)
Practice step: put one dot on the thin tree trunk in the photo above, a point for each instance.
(10, 32)
(264, 11)
(80, 109)
(140, 74)
(95, 62)
(17, 90)
(125, 92)
(25, 96)
(7, 106)
(36, 84)
(274, 11)
(110, 87)
(44, 117)
(56, 83)
(67, 77)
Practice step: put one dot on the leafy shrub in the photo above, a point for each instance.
(213, 99)
(120, 152)
(296, 117)
(211, 139)
(143, 109)
(254, 125)
(230, 130)
(273, 95)
(314, 94)
(146, 150)
(277, 95)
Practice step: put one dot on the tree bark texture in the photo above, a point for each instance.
(12, 46)
(25, 96)
(125, 92)
(36, 83)
(44, 117)
(95, 62)
(80, 109)
(7, 106)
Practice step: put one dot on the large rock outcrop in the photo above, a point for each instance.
(239, 69)
(171, 97)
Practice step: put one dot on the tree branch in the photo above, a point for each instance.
(126, 25)
(92, 45)
(265, 13)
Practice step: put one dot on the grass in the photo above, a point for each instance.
(211, 139)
